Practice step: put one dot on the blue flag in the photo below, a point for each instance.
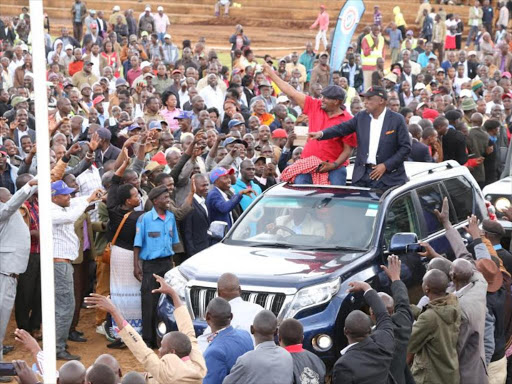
(348, 19)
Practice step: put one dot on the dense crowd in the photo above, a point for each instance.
(151, 143)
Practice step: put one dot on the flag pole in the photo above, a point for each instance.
(44, 181)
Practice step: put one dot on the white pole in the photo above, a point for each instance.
(43, 168)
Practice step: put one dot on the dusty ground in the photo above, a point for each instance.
(89, 351)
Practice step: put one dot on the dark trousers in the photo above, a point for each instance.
(150, 300)
(28, 296)
(78, 30)
(81, 282)
(366, 182)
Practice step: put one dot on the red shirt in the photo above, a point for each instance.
(327, 150)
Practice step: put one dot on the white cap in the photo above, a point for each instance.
(160, 8)
(116, 8)
(145, 64)
(69, 46)
(148, 8)
(465, 93)
(414, 119)
(419, 86)
(421, 105)
(24, 47)
(92, 11)
(471, 53)
(283, 99)
(167, 36)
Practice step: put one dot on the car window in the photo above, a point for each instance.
(400, 217)
(461, 195)
(431, 198)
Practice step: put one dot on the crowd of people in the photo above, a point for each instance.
(151, 143)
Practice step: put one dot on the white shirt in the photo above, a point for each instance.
(408, 99)
(375, 131)
(202, 202)
(65, 241)
(226, 198)
(243, 312)
(344, 350)
(95, 60)
(457, 83)
(213, 98)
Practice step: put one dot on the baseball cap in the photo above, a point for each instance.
(167, 36)
(279, 133)
(185, 115)
(133, 126)
(334, 92)
(419, 86)
(440, 70)
(391, 77)
(120, 82)
(98, 99)
(376, 91)
(104, 133)
(506, 74)
(88, 62)
(505, 95)
(261, 158)
(421, 105)
(159, 158)
(149, 74)
(60, 188)
(465, 93)
(148, 8)
(219, 172)
(264, 84)
(24, 47)
(154, 125)
(409, 32)
(144, 33)
(85, 85)
(145, 64)
(234, 123)
(471, 53)
(283, 99)
(430, 114)
(160, 8)
(324, 54)
(116, 8)
(174, 72)
(3, 151)
(69, 46)
(234, 140)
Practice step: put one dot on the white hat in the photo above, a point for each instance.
(421, 105)
(471, 53)
(414, 119)
(148, 8)
(92, 11)
(419, 86)
(160, 8)
(145, 64)
(465, 93)
(116, 8)
(167, 36)
(69, 46)
(24, 47)
(283, 99)
(391, 77)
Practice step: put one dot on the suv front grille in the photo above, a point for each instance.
(200, 297)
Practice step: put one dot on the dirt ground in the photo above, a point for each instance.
(89, 351)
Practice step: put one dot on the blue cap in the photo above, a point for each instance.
(154, 125)
(133, 126)
(234, 123)
(219, 172)
(61, 188)
(185, 115)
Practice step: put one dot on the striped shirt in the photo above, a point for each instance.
(65, 240)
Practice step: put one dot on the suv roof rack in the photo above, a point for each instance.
(445, 165)
(331, 186)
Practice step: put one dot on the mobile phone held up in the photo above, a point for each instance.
(7, 369)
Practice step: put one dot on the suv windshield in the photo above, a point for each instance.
(307, 223)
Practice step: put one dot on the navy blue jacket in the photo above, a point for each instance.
(394, 145)
(420, 152)
(223, 351)
(218, 208)
(195, 230)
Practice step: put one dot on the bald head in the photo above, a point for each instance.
(218, 314)
(228, 286)
(111, 362)
(357, 325)
(264, 325)
(101, 374)
(435, 282)
(133, 378)
(5, 195)
(477, 119)
(440, 263)
(73, 372)
(388, 302)
(177, 343)
(462, 272)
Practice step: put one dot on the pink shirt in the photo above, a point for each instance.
(322, 21)
(169, 117)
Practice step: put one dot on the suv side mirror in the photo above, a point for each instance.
(218, 229)
(403, 243)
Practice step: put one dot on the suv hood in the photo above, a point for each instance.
(265, 266)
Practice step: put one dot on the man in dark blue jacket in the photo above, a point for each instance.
(226, 344)
(217, 201)
(383, 142)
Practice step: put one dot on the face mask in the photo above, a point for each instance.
(493, 138)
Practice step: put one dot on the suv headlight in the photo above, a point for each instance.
(502, 204)
(313, 296)
(177, 281)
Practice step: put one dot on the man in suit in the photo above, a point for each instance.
(469, 66)
(106, 151)
(195, 225)
(382, 140)
(372, 351)
(399, 309)
(14, 249)
(226, 344)
(218, 204)
(419, 151)
(454, 141)
(268, 363)
(20, 128)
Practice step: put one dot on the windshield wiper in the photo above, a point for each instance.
(270, 245)
(333, 248)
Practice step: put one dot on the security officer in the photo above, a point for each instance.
(155, 236)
